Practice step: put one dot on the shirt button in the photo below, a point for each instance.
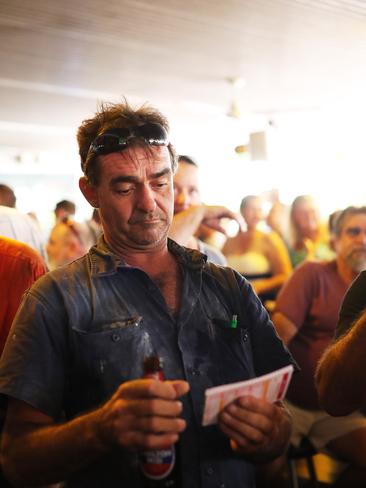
(209, 471)
(116, 338)
(245, 337)
(196, 372)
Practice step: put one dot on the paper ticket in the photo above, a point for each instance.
(271, 387)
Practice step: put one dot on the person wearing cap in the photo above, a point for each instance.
(78, 410)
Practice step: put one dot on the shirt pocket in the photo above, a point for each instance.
(108, 354)
(233, 351)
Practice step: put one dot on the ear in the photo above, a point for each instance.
(89, 191)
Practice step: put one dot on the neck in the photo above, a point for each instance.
(149, 259)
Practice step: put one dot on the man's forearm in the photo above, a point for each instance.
(186, 223)
(340, 377)
(50, 454)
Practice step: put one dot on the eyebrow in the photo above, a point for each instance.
(135, 179)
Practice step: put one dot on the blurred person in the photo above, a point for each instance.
(305, 317)
(21, 227)
(69, 240)
(260, 256)
(94, 226)
(340, 373)
(278, 220)
(65, 209)
(20, 266)
(310, 238)
(78, 409)
(7, 196)
(191, 216)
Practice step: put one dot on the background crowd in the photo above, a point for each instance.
(298, 264)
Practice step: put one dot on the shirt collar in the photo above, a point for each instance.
(104, 262)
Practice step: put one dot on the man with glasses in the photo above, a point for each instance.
(78, 410)
(341, 370)
(305, 316)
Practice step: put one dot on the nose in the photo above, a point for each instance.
(147, 201)
(361, 238)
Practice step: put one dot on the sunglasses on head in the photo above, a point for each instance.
(114, 140)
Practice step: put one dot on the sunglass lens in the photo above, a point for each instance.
(107, 143)
(152, 133)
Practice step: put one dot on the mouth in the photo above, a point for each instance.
(146, 221)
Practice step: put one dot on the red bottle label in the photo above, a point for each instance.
(157, 465)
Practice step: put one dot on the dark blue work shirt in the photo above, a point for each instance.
(85, 328)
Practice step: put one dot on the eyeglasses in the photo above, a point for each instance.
(115, 140)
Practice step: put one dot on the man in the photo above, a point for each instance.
(305, 317)
(64, 209)
(190, 214)
(68, 241)
(7, 196)
(20, 267)
(21, 227)
(78, 410)
(341, 370)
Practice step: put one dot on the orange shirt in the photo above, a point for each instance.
(20, 266)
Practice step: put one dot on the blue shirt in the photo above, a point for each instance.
(85, 328)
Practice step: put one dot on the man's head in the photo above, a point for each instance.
(64, 210)
(251, 208)
(7, 196)
(117, 116)
(67, 242)
(349, 229)
(128, 163)
(186, 184)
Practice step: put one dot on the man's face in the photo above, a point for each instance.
(135, 197)
(350, 246)
(186, 192)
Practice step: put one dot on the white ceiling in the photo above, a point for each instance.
(57, 58)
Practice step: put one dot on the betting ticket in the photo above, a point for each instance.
(271, 387)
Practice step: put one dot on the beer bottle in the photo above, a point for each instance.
(159, 468)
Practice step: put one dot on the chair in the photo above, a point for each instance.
(306, 451)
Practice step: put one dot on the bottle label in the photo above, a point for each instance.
(157, 465)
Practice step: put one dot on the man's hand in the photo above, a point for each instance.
(143, 414)
(257, 429)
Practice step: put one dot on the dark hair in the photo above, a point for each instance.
(115, 116)
(7, 196)
(66, 205)
(182, 158)
(343, 215)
